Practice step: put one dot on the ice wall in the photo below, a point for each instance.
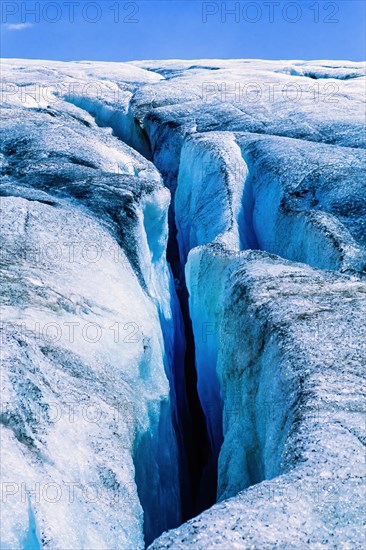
(308, 206)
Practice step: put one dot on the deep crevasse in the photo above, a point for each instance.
(158, 454)
(219, 199)
(198, 460)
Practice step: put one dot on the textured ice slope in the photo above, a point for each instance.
(257, 155)
(293, 411)
(88, 337)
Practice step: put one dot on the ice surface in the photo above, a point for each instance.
(263, 155)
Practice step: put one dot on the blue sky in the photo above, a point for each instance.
(115, 30)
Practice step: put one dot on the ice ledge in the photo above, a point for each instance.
(293, 414)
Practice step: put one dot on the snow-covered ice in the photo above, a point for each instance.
(250, 175)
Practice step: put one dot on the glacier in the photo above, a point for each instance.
(183, 307)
